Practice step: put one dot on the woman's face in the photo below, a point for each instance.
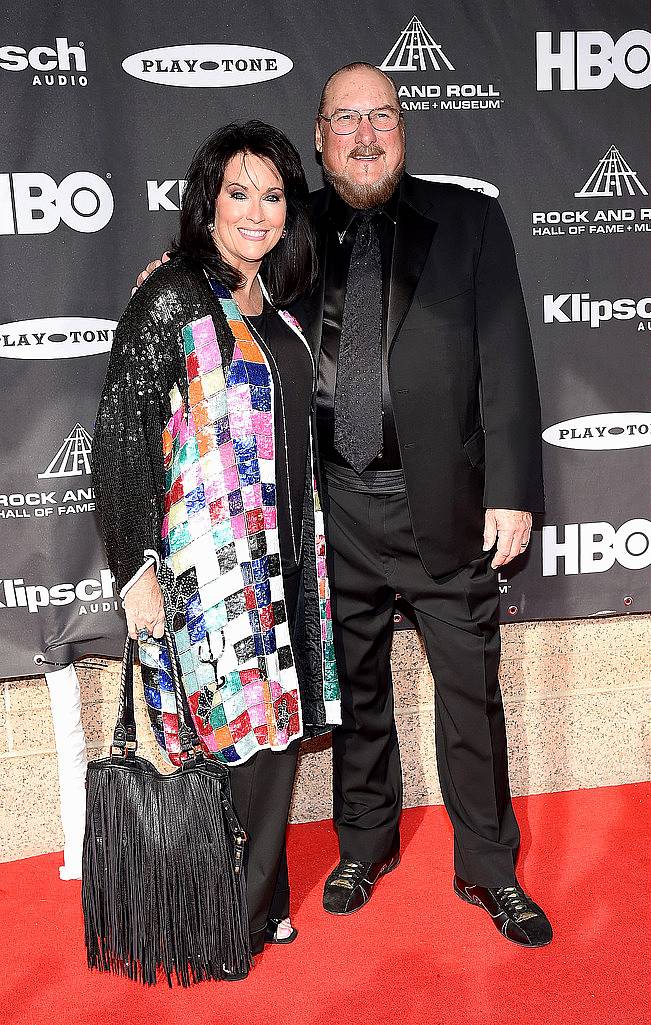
(250, 211)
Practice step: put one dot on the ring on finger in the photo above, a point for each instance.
(143, 634)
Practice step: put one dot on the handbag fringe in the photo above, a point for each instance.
(159, 889)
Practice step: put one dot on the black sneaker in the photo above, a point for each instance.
(513, 912)
(351, 883)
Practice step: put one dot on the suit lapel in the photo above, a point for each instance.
(414, 234)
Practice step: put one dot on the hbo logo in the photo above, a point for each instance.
(591, 60)
(32, 203)
(595, 547)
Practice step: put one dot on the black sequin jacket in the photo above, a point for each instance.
(147, 360)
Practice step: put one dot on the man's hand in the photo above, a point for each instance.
(149, 269)
(511, 528)
(143, 605)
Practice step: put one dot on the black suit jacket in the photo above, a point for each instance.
(460, 366)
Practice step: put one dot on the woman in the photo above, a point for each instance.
(205, 479)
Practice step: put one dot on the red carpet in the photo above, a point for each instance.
(439, 962)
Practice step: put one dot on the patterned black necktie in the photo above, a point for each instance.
(358, 394)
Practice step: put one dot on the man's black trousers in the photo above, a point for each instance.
(373, 555)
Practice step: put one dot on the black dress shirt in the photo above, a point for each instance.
(339, 247)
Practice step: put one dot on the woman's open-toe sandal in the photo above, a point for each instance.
(272, 930)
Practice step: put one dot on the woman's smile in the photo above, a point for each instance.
(253, 234)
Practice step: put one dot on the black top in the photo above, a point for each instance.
(342, 223)
(292, 374)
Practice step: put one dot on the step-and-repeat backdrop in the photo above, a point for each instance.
(541, 103)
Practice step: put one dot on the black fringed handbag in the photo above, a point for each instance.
(162, 874)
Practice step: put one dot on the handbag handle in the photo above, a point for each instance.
(124, 735)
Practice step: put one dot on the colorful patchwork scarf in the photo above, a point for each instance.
(221, 558)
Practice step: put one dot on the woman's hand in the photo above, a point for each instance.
(143, 605)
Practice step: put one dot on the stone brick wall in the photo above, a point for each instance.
(575, 694)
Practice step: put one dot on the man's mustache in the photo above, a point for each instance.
(367, 151)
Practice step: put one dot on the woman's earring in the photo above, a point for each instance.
(284, 233)
(211, 227)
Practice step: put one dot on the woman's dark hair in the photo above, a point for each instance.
(289, 269)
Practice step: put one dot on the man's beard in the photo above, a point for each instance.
(365, 196)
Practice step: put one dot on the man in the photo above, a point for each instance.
(429, 434)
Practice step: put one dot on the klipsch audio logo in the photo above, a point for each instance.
(595, 547)
(207, 65)
(31, 203)
(474, 184)
(59, 65)
(612, 178)
(165, 195)
(581, 308)
(94, 594)
(600, 431)
(592, 60)
(72, 459)
(417, 51)
(56, 337)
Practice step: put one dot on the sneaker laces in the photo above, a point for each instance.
(350, 874)
(515, 902)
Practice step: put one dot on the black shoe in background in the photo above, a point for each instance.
(351, 883)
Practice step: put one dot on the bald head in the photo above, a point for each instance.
(357, 66)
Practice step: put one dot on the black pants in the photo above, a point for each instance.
(373, 555)
(262, 792)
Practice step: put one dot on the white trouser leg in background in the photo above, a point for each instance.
(65, 699)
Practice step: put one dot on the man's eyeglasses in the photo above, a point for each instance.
(346, 122)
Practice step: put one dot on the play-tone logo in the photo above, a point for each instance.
(595, 547)
(416, 50)
(601, 431)
(592, 60)
(31, 203)
(59, 65)
(207, 65)
(56, 338)
(474, 184)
